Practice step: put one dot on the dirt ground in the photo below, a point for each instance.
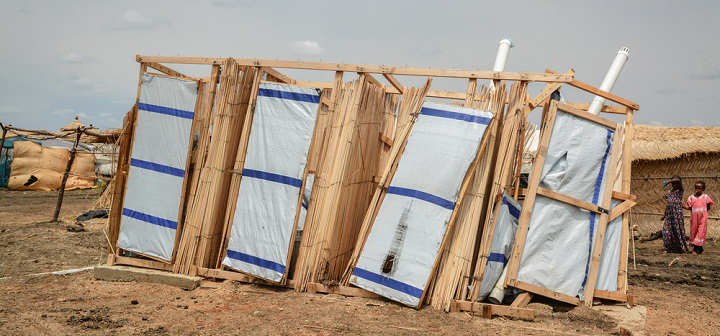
(681, 299)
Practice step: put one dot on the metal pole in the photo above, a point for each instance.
(61, 193)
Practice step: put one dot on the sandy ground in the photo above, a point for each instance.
(680, 299)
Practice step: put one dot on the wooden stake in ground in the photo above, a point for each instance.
(61, 192)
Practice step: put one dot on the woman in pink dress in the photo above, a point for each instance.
(699, 203)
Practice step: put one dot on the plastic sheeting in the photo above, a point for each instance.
(560, 238)
(610, 258)
(157, 166)
(272, 177)
(405, 238)
(501, 245)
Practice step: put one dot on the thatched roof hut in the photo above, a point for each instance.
(660, 152)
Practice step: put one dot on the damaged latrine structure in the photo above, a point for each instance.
(360, 188)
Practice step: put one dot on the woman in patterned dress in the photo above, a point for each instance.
(674, 228)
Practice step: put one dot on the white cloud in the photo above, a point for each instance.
(696, 122)
(84, 83)
(133, 20)
(64, 112)
(232, 3)
(74, 57)
(655, 123)
(83, 115)
(307, 47)
(10, 110)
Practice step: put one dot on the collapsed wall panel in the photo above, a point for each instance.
(404, 241)
(501, 246)
(159, 155)
(272, 177)
(558, 247)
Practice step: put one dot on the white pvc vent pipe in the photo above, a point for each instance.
(502, 54)
(610, 79)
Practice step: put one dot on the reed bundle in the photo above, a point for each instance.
(200, 241)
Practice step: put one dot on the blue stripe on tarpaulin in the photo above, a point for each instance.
(150, 219)
(455, 115)
(514, 211)
(596, 196)
(388, 282)
(422, 196)
(303, 97)
(497, 257)
(291, 181)
(157, 167)
(166, 110)
(264, 263)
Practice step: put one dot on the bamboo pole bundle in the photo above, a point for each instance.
(325, 199)
(452, 278)
(199, 244)
(408, 111)
(125, 143)
(502, 169)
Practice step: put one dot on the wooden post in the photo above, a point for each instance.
(61, 193)
(626, 234)
(2, 142)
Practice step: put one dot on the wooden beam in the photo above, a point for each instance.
(470, 94)
(313, 287)
(568, 200)
(395, 83)
(121, 260)
(371, 79)
(231, 275)
(386, 139)
(621, 209)
(615, 296)
(166, 70)
(277, 74)
(545, 292)
(373, 69)
(549, 89)
(487, 310)
(626, 235)
(606, 108)
(522, 300)
(607, 95)
(587, 115)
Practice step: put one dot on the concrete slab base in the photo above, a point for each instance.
(631, 319)
(126, 274)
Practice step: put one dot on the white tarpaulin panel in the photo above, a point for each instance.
(157, 166)
(405, 239)
(610, 257)
(267, 202)
(560, 238)
(501, 245)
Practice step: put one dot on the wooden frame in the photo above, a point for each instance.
(605, 215)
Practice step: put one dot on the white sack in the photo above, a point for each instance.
(414, 215)
(157, 166)
(501, 245)
(267, 202)
(560, 238)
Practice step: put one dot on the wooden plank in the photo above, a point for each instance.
(615, 296)
(277, 74)
(625, 235)
(167, 71)
(549, 89)
(121, 260)
(386, 139)
(371, 79)
(372, 69)
(231, 275)
(314, 287)
(534, 179)
(545, 292)
(607, 95)
(603, 221)
(522, 300)
(568, 200)
(395, 83)
(621, 209)
(475, 307)
(586, 115)
(470, 94)
(606, 108)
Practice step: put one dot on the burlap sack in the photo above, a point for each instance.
(35, 167)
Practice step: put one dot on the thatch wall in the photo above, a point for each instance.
(660, 152)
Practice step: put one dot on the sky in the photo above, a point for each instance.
(61, 59)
